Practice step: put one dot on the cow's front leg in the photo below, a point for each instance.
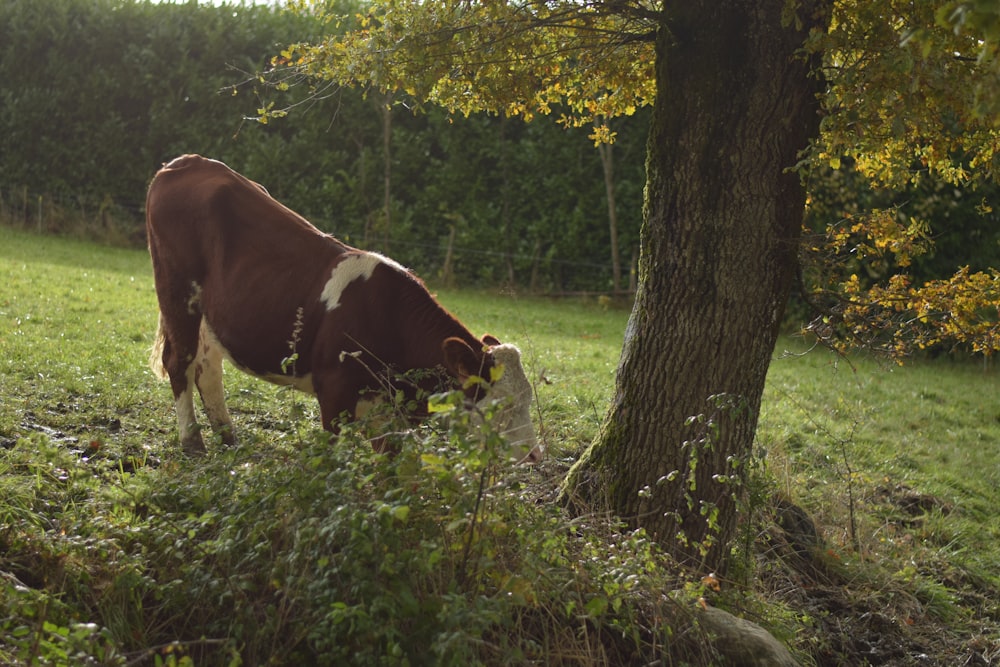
(338, 399)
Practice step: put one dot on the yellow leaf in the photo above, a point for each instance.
(496, 373)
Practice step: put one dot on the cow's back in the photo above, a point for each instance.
(222, 247)
(202, 213)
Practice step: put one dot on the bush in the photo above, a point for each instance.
(321, 553)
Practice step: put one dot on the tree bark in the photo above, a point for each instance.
(606, 152)
(387, 171)
(736, 103)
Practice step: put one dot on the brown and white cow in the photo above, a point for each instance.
(240, 276)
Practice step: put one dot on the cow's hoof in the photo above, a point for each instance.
(194, 446)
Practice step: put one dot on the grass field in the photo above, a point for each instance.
(928, 430)
(899, 466)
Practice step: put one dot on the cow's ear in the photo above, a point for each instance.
(460, 359)
(490, 339)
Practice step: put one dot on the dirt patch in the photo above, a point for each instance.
(911, 505)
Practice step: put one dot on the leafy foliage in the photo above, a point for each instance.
(980, 21)
(519, 58)
(900, 99)
(885, 278)
(327, 553)
(907, 112)
(98, 93)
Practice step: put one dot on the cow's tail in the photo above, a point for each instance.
(156, 354)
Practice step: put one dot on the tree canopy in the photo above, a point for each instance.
(585, 60)
(909, 96)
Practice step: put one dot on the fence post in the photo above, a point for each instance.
(447, 274)
(633, 271)
(536, 260)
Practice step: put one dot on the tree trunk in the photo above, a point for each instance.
(387, 171)
(506, 222)
(606, 151)
(736, 102)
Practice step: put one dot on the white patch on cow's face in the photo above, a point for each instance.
(351, 268)
(514, 390)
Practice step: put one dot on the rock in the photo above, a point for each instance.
(741, 642)
(801, 532)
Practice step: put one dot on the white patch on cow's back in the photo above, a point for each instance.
(351, 268)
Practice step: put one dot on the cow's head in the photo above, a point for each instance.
(510, 388)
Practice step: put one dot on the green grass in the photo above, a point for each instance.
(929, 426)
(854, 443)
(74, 321)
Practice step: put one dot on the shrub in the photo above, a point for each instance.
(324, 552)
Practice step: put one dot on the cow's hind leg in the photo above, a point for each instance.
(180, 346)
(208, 378)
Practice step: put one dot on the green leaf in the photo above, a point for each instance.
(596, 606)
(439, 403)
(496, 372)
